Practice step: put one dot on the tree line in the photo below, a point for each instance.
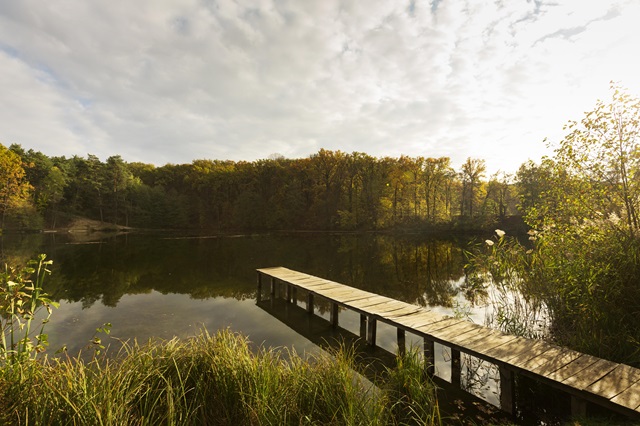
(329, 190)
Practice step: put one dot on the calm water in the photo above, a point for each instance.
(161, 287)
(158, 286)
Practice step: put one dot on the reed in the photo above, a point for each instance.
(215, 379)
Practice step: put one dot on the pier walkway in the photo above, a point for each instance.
(585, 378)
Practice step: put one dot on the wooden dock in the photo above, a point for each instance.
(586, 378)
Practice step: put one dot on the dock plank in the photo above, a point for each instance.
(505, 349)
(572, 368)
(552, 360)
(629, 398)
(618, 380)
(439, 325)
(454, 330)
(369, 303)
(596, 371)
(467, 339)
(419, 319)
(530, 350)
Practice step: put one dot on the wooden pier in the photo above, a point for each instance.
(586, 378)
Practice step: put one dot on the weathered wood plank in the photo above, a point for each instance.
(316, 286)
(361, 300)
(629, 398)
(465, 339)
(369, 303)
(503, 347)
(419, 319)
(553, 360)
(345, 293)
(313, 282)
(455, 330)
(409, 310)
(618, 380)
(337, 294)
(391, 304)
(489, 343)
(357, 296)
(433, 327)
(572, 368)
(530, 350)
(394, 311)
(595, 372)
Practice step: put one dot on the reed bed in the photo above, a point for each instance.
(214, 379)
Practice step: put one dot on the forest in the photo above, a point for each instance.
(580, 206)
(330, 190)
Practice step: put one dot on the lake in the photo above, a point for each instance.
(164, 286)
(161, 286)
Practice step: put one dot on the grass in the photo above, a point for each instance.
(213, 380)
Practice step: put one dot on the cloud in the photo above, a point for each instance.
(173, 81)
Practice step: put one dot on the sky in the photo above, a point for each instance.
(172, 81)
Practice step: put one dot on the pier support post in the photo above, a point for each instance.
(310, 302)
(259, 292)
(507, 390)
(455, 367)
(578, 406)
(402, 349)
(288, 293)
(363, 326)
(294, 295)
(371, 330)
(334, 314)
(273, 288)
(429, 356)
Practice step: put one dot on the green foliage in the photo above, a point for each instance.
(413, 394)
(328, 190)
(502, 270)
(601, 154)
(471, 173)
(213, 379)
(583, 261)
(21, 300)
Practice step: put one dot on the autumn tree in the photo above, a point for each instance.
(14, 189)
(52, 192)
(471, 175)
(437, 174)
(499, 199)
(327, 171)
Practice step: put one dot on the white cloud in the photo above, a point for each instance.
(174, 81)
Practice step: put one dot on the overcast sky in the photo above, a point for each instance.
(173, 81)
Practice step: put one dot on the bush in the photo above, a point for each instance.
(577, 286)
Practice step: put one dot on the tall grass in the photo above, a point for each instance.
(213, 380)
(579, 288)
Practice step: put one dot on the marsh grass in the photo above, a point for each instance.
(213, 379)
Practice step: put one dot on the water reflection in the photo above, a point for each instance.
(409, 269)
(165, 286)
